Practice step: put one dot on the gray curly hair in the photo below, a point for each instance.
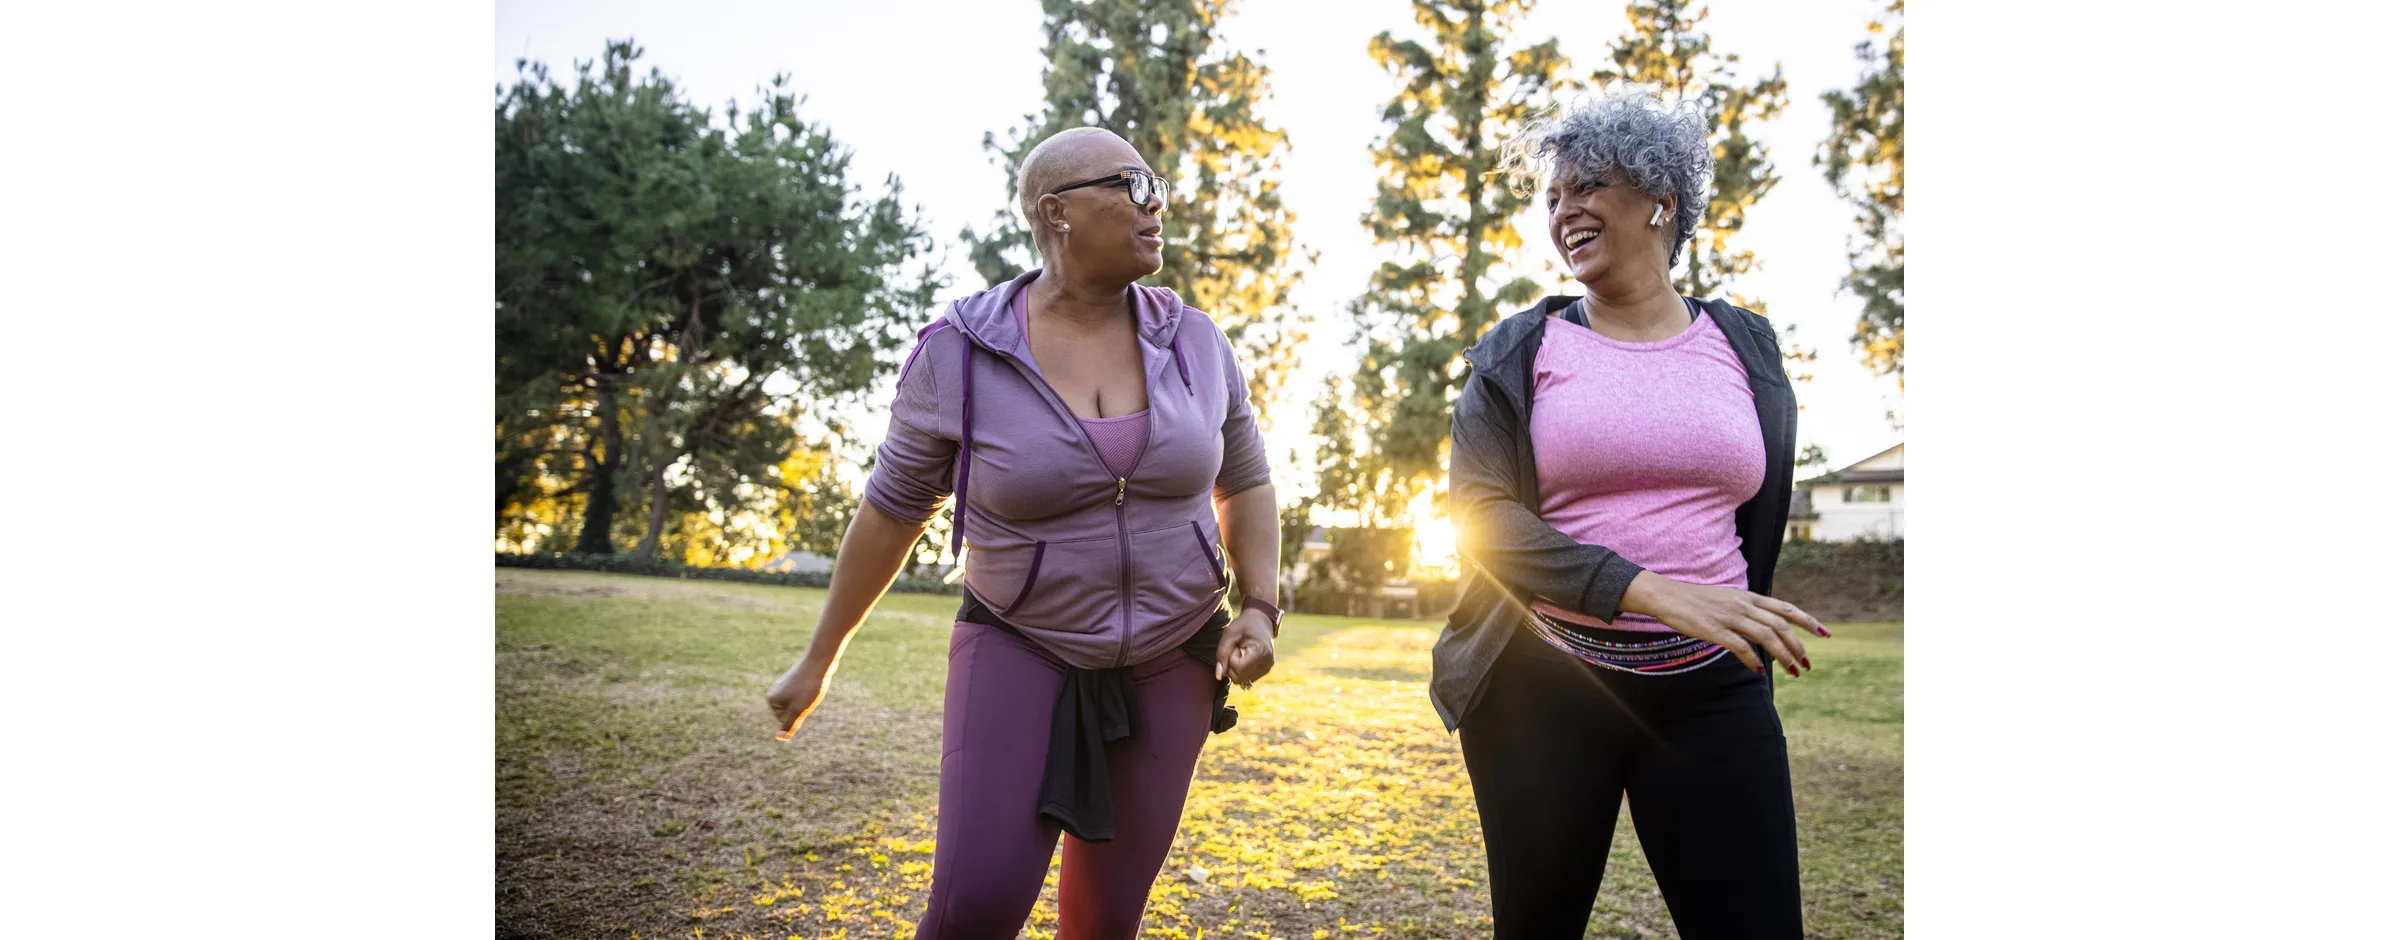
(1627, 134)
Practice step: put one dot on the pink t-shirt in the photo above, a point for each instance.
(1647, 448)
(1120, 439)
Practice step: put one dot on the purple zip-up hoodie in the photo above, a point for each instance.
(1100, 570)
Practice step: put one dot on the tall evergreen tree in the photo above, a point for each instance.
(1154, 73)
(1862, 158)
(1667, 48)
(1450, 223)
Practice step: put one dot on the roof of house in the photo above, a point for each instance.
(1853, 473)
(1860, 476)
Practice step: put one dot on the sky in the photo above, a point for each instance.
(912, 87)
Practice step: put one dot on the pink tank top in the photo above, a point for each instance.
(1646, 448)
(1120, 439)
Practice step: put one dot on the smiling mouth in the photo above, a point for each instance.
(1579, 238)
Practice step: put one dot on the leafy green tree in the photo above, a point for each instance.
(1154, 73)
(694, 287)
(1862, 158)
(582, 181)
(793, 293)
(1384, 431)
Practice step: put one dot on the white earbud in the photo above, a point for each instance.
(1658, 213)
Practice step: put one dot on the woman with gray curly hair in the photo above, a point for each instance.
(1621, 465)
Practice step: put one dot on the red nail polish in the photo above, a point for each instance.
(1787, 667)
(1804, 663)
(1762, 670)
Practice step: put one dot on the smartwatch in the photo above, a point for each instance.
(1274, 614)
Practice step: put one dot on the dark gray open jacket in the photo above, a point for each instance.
(1511, 555)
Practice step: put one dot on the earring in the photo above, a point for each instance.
(1063, 227)
(1658, 213)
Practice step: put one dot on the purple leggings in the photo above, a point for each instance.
(991, 849)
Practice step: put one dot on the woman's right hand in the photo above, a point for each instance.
(1729, 617)
(796, 693)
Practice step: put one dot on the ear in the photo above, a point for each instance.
(1053, 211)
(1672, 204)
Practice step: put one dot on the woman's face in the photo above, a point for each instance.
(1602, 226)
(1109, 235)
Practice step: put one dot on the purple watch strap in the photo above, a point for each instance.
(1274, 614)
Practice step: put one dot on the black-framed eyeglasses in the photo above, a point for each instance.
(1139, 186)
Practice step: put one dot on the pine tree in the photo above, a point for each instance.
(1385, 430)
(1862, 158)
(1667, 48)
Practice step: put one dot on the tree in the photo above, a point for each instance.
(1152, 73)
(1666, 48)
(695, 286)
(790, 290)
(581, 182)
(1862, 158)
(1384, 432)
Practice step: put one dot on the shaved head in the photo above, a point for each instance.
(1069, 156)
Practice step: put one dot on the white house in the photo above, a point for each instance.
(1862, 500)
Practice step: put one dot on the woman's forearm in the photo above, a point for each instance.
(872, 552)
(1247, 521)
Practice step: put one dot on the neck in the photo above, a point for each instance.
(1647, 304)
(1080, 301)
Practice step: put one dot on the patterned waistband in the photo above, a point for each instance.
(1670, 654)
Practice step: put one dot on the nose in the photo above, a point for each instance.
(1568, 211)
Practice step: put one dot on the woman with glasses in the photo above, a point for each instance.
(1620, 466)
(1107, 472)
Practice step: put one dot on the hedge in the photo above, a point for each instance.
(1856, 581)
(1837, 581)
(627, 564)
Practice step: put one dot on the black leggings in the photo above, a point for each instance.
(1556, 742)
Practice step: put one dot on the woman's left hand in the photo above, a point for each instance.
(1247, 653)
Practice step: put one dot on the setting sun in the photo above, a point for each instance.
(1436, 544)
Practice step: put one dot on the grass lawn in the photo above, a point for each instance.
(641, 793)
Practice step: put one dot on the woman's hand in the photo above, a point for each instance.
(1247, 652)
(796, 694)
(1729, 617)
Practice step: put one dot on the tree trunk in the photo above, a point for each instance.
(600, 508)
(648, 547)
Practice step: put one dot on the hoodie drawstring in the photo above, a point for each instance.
(966, 444)
(1175, 346)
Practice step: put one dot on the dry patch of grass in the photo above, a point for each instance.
(641, 793)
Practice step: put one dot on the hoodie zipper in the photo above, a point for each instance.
(1124, 550)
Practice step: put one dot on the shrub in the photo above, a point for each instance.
(627, 564)
(1860, 580)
